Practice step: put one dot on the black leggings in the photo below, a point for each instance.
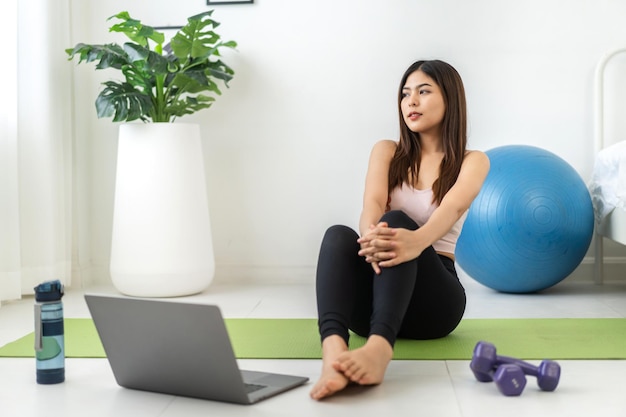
(418, 299)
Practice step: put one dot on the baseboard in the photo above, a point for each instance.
(224, 274)
(614, 271)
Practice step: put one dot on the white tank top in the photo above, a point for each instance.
(419, 206)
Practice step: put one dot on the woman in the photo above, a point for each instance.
(398, 278)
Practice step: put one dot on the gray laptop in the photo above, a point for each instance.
(177, 348)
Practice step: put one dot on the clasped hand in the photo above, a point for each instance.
(383, 246)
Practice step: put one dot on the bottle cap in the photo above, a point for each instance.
(49, 291)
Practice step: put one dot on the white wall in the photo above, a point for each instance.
(286, 146)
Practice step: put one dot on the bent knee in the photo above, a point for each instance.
(398, 218)
(341, 236)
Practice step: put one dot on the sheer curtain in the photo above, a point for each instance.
(36, 161)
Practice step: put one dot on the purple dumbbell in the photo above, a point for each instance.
(509, 379)
(485, 361)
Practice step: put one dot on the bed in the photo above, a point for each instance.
(607, 191)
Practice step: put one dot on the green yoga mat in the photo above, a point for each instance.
(298, 339)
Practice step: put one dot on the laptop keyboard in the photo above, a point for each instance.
(253, 387)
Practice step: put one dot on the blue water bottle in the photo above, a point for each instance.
(49, 335)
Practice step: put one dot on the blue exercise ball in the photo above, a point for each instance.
(531, 224)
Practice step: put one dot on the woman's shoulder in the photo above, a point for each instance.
(476, 157)
(383, 151)
(386, 143)
(476, 161)
(386, 146)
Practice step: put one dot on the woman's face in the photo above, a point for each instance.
(422, 104)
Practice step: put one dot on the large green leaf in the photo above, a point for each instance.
(136, 31)
(147, 60)
(189, 105)
(123, 102)
(192, 82)
(197, 40)
(220, 70)
(139, 79)
(108, 56)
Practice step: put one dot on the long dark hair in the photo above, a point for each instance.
(405, 163)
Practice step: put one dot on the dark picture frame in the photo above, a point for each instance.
(214, 2)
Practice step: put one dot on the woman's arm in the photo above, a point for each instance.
(376, 185)
(376, 195)
(406, 245)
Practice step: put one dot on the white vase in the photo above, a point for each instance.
(161, 244)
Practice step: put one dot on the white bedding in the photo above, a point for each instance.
(608, 195)
(608, 183)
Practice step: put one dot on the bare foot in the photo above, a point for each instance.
(331, 380)
(366, 365)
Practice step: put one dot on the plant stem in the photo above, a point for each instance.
(160, 102)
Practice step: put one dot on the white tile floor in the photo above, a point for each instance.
(411, 388)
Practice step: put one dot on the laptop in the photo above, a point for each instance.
(177, 348)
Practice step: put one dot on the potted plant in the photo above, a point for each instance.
(161, 242)
(161, 82)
